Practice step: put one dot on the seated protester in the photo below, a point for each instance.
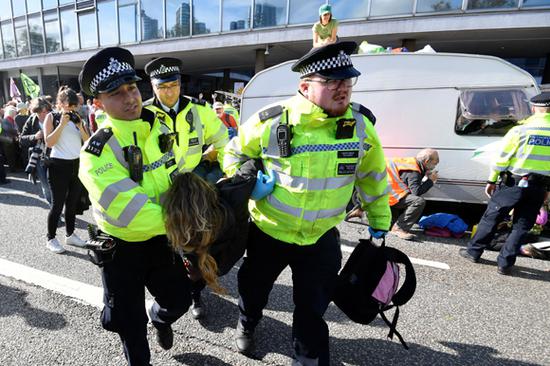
(207, 224)
(406, 179)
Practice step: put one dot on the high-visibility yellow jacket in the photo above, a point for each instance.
(398, 188)
(196, 126)
(125, 209)
(100, 117)
(525, 148)
(313, 185)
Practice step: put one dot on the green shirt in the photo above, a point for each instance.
(325, 31)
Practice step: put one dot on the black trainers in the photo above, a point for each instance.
(197, 311)
(463, 252)
(165, 335)
(244, 339)
(505, 271)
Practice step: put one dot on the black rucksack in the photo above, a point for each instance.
(368, 284)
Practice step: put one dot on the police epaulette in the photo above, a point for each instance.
(365, 112)
(197, 101)
(98, 140)
(149, 102)
(148, 116)
(270, 112)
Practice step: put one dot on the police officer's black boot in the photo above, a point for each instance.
(165, 335)
(197, 311)
(244, 338)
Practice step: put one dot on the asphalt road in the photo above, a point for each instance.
(464, 315)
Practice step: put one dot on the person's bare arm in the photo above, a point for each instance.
(53, 134)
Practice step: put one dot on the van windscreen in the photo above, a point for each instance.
(490, 112)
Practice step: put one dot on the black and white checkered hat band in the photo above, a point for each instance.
(541, 104)
(164, 70)
(115, 67)
(341, 60)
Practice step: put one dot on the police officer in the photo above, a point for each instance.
(196, 126)
(522, 169)
(195, 123)
(318, 147)
(127, 166)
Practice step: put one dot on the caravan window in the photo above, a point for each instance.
(490, 112)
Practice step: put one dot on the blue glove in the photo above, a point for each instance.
(232, 132)
(377, 234)
(264, 185)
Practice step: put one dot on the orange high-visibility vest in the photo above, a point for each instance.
(398, 188)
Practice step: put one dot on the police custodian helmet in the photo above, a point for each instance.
(107, 70)
(332, 61)
(541, 100)
(164, 69)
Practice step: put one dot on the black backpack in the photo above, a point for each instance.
(367, 286)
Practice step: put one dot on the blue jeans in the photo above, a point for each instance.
(42, 174)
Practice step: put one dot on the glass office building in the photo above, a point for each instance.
(50, 39)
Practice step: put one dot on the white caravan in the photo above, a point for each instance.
(454, 103)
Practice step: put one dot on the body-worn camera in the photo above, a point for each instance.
(134, 158)
(34, 157)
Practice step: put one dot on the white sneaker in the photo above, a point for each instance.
(55, 246)
(74, 240)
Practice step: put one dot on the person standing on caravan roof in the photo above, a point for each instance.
(406, 179)
(325, 30)
(523, 171)
(317, 146)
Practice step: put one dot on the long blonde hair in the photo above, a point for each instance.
(194, 219)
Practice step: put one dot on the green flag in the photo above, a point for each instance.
(31, 89)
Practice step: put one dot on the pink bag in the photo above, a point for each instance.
(542, 217)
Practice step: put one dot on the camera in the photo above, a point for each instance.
(74, 117)
(34, 156)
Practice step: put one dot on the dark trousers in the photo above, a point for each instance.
(314, 271)
(150, 264)
(407, 211)
(526, 203)
(65, 188)
(2, 169)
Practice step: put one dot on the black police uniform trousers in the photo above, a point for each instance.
(314, 271)
(526, 203)
(137, 265)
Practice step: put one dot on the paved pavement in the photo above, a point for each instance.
(464, 315)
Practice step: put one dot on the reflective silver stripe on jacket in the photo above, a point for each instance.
(368, 199)
(533, 157)
(117, 151)
(307, 214)
(198, 124)
(112, 190)
(128, 214)
(312, 184)
(360, 129)
(374, 175)
(520, 171)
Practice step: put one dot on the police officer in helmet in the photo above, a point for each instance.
(316, 147)
(519, 180)
(127, 166)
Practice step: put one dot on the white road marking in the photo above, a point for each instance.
(89, 294)
(422, 262)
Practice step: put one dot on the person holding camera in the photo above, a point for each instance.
(65, 134)
(32, 140)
